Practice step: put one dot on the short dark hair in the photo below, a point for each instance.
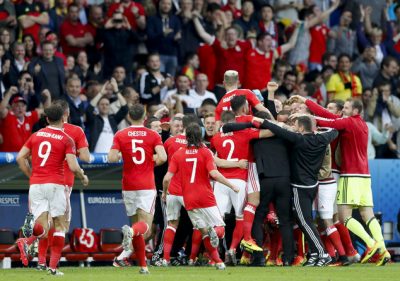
(151, 120)
(22, 73)
(193, 135)
(305, 122)
(63, 103)
(72, 5)
(268, 6)
(327, 56)
(189, 119)
(136, 112)
(208, 101)
(237, 102)
(227, 117)
(289, 73)
(344, 55)
(54, 113)
(357, 104)
(387, 60)
(339, 104)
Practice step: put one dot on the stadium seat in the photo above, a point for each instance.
(7, 245)
(109, 244)
(69, 254)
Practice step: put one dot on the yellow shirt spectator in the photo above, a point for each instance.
(343, 86)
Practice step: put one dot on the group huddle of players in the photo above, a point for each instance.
(209, 181)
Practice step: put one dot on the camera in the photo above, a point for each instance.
(28, 79)
(118, 21)
(347, 85)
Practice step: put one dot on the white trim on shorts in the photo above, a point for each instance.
(253, 182)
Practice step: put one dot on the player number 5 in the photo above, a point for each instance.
(138, 160)
(44, 155)
(194, 160)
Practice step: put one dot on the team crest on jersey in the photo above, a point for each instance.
(237, 48)
(27, 127)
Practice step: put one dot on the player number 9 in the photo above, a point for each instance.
(44, 155)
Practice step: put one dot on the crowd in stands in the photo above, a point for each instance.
(171, 55)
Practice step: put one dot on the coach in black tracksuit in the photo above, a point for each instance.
(272, 160)
(306, 156)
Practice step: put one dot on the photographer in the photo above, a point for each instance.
(119, 45)
(26, 89)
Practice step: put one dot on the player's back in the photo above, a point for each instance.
(79, 138)
(173, 144)
(49, 147)
(137, 146)
(193, 166)
(225, 103)
(234, 146)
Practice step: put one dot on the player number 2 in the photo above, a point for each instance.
(193, 175)
(44, 154)
(232, 148)
(138, 160)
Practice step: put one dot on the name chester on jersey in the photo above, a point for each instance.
(49, 135)
(137, 133)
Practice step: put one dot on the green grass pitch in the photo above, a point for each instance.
(390, 272)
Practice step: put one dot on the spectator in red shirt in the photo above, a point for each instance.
(17, 123)
(230, 52)
(31, 16)
(74, 35)
(133, 11)
(260, 60)
(231, 6)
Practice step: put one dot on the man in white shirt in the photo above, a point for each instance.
(200, 93)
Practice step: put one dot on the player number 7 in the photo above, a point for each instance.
(194, 160)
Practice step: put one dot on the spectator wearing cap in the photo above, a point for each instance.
(163, 33)
(31, 16)
(101, 123)
(75, 36)
(119, 44)
(48, 71)
(17, 122)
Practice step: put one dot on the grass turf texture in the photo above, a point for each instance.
(390, 272)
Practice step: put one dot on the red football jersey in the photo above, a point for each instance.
(137, 145)
(246, 119)
(172, 145)
(78, 136)
(225, 103)
(234, 146)
(48, 147)
(16, 133)
(319, 35)
(230, 58)
(193, 166)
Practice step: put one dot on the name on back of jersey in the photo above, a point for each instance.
(137, 133)
(191, 151)
(50, 135)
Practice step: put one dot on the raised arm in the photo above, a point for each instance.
(4, 103)
(289, 45)
(316, 108)
(323, 16)
(208, 38)
(280, 132)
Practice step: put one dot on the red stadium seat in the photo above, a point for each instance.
(7, 245)
(109, 245)
(69, 254)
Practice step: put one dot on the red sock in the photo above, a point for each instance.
(42, 250)
(30, 240)
(50, 236)
(211, 250)
(237, 234)
(328, 244)
(38, 230)
(139, 246)
(334, 236)
(346, 239)
(139, 228)
(248, 218)
(56, 249)
(196, 243)
(298, 236)
(220, 230)
(169, 236)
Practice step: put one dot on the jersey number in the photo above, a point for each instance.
(193, 175)
(138, 160)
(46, 146)
(232, 148)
